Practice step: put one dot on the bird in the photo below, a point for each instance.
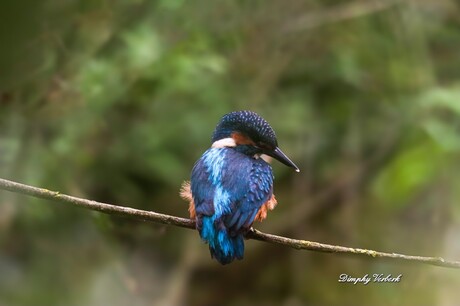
(231, 184)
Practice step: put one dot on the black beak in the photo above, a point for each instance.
(280, 156)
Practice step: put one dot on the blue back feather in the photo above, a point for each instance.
(228, 189)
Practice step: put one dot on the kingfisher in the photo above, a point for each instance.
(231, 185)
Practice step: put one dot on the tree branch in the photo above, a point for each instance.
(187, 223)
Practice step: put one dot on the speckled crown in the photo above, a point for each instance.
(247, 122)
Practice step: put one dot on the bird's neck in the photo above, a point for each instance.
(245, 149)
(224, 143)
(248, 150)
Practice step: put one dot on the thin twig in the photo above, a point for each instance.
(187, 223)
(94, 205)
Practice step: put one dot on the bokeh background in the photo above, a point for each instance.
(116, 100)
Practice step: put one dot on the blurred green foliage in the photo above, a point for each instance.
(115, 100)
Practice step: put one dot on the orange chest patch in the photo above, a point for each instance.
(186, 194)
(269, 205)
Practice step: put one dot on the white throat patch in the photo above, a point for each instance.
(266, 158)
(224, 143)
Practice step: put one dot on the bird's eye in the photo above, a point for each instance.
(263, 146)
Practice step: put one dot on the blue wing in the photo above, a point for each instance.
(231, 186)
(228, 189)
(251, 189)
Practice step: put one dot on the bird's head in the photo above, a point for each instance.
(249, 131)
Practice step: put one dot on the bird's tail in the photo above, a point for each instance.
(223, 246)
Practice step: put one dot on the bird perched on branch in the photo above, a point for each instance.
(231, 185)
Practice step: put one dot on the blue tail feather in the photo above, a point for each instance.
(223, 247)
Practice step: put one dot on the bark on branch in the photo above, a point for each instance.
(187, 223)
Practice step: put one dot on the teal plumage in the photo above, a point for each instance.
(231, 185)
